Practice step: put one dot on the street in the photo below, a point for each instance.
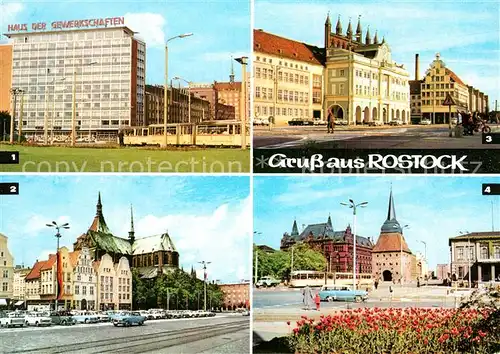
(220, 334)
(393, 137)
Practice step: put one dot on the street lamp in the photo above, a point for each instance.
(54, 111)
(256, 258)
(468, 257)
(354, 207)
(15, 92)
(243, 100)
(401, 251)
(58, 236)
(73, 116)
(189, 95)
(165, 104)
(205, 282)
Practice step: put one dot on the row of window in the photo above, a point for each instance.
(437, 86)
(265, 111)
(484, 252)
(282, 63)
(265, 74)
(438, 94)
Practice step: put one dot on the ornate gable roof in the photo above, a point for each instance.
(154, 243)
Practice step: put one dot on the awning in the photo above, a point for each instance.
(3, 302)
(19, 303)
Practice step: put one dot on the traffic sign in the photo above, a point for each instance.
(448, 101)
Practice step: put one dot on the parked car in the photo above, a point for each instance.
(127, 319)
(85, 317)
(396, 122)
(319, 122)
(342, 293)
(61, 318)
(267, 281)
(300, 121)
(103, 316)
(37, 319)
(12, 319)
(341, 122)
(425, 121)
(257, 121)
(375, 123)
(246, 313)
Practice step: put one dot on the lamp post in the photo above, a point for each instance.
(45, 124)
(73, 115)
(165, 93)
(243, 100)
(54, 112)
(58, 236)
(189, 95)
(205, 283)
(256, 258)
(15, 92)
(277, 69)
(352, 205)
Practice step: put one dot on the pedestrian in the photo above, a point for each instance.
(308, 298)
(418, 282)
(120, 137)
(390, 292)
(329, 121)
(317, 300)
(376, 284)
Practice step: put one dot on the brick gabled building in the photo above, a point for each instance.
(337, 246)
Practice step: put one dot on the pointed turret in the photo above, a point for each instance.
(349, 30)
(99, 205)
(338, 29)
(231, 77)
(391, 224)
(328, 31)
(368, 39)
(375, 39)
(383, 39)
(359, 32)
(295, 229)
(131, 233)
(329, 222)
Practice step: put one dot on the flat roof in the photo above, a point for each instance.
(124, 28)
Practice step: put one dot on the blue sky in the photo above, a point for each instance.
(435, 208)
(208, 218)
(465, 33)
(221, 28)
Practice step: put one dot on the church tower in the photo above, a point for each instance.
(392, 259)
(131, 233)
(328, 31)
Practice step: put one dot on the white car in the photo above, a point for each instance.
(37, 319)
(425, 121)
(12, 319)
(156, 315)
(257, 121)
(85, 317)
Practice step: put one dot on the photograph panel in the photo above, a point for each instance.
(412, 261)
(83, 86)
(370, 76)
(84, 256)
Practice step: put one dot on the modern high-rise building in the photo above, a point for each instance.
(104, 66)
(5, 76)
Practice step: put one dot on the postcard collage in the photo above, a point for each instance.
(250, 176)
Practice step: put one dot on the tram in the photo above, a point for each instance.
(208, 133)
(302, 278)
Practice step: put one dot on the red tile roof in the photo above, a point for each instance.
(35, 271)
(454, 76)
(48, 264)
(391, 242)
(236, 86)
(73, 257)
(268, 43)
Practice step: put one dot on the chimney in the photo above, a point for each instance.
(417, 67)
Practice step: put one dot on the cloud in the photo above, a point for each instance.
(37, 223)
(150, 27)
(220, 236)
(9, 12)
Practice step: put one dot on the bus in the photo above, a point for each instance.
(302, 278)
(216, 133)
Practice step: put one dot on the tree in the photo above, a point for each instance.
(307, 258)
(4, 123)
